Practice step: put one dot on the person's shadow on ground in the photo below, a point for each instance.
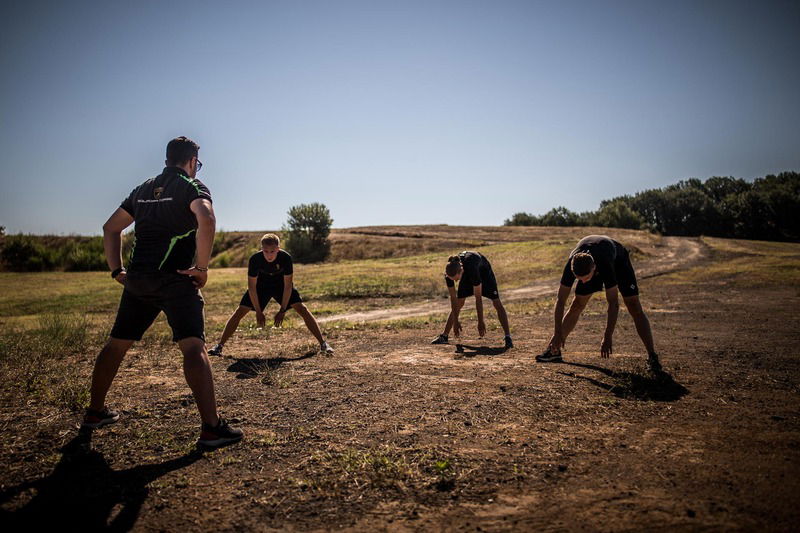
(83, 492)
(659, 387)
(465, 350)
(251, 367)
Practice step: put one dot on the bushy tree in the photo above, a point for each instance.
(306, 232)
(618, 214)
(522, 219)
(721, 206)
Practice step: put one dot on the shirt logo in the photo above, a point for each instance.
(157, 192)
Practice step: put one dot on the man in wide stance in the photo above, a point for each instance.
(270, 275)
(597, 262)
(174, 219)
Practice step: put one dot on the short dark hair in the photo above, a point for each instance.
(582, 263)
(180, 150)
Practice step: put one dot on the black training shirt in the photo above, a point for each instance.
(165, 225)
(604, 250)
(473, 263)
(270, 274)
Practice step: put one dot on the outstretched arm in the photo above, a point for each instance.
(558, 333)
(288, 285)
(455, 309)
(252, 290)
(612, 297)
(112, 240)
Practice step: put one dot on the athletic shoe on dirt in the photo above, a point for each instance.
(508, 341)
(216, 350)
(97, 419)
(223, 434)
(441, 339)
(326, 348)
(549, 357)
(653, 363)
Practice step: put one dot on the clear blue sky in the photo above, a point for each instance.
(460, 112)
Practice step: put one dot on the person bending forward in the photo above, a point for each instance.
(475, 277)
(597, 262)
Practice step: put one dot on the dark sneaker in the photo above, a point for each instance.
(97, 419)
(509, 342)
(216, 350)
(441, 339)
(549, 357)
(653, 363)
(214, 437)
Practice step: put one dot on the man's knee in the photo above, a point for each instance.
(497, 304)
(117, 346)
(634, 306)
(578, 304)
(192, 348)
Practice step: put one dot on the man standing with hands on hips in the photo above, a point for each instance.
(174, 222)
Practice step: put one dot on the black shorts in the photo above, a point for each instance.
(265, 293)
(148, 293)
(626, 279)
(488, 286)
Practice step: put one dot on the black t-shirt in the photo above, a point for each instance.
(474, 265)
(270, 274)
(605, 251)
(165, 225)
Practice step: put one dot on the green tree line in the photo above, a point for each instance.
(764, 209)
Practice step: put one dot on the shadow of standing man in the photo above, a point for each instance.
(82, 491)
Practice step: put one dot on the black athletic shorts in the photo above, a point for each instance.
(626, 279)
(265, 293)
(488, 286)
(148, 293)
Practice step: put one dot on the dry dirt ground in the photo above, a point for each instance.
(395, 434)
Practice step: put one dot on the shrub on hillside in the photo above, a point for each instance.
(306, 232)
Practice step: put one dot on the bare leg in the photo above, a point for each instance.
(501, 315)
(233, 323)
(311, 322)
(573, 314)
(640, 320)
(449, 325)
(197, 370)
(105, 369)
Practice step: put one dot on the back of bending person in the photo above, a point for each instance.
(475, 277)
(596, 262)
(269, 275)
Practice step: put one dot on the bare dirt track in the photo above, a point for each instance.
(672, 254)
(395, 434)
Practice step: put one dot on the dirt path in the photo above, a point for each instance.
(670, 254)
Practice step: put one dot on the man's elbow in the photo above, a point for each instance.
(110, 228)
(207, 220)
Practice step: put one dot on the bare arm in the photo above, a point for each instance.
(288, 285)
(612, 297)
(112, 239)
(252, 284)
(455, 309)
(206, 227)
